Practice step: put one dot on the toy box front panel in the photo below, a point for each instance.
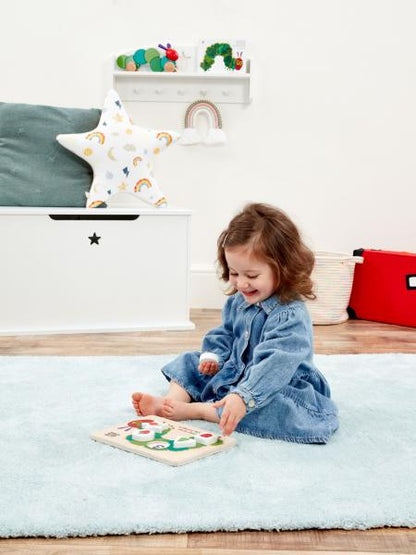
(93, 274)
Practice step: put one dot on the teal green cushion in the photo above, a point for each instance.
(35, 170)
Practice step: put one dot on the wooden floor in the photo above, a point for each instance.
(351, 337)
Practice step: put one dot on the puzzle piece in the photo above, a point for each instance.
(206, 438)
(184, 441)
(157, 427)
(141, 434)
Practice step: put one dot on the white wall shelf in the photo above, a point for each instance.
(149, 86)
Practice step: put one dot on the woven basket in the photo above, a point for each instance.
(332, 277)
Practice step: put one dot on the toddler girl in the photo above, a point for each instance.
(255, 373)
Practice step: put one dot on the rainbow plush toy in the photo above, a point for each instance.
(216, 135)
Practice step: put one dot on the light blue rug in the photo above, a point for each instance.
(55, 481)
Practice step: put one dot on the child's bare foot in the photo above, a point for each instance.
(135, 399)
(173, 409)
(179, 410)
(145, 404)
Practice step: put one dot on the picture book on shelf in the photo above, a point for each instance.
(221, 56)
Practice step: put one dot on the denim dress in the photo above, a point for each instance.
(265, 355)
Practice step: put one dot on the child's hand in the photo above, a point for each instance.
(208, 367)
(234, 410)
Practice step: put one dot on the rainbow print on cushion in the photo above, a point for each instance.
(96, 135)
(215, 136)
(121, 155)
(142, 183)
(163, 136)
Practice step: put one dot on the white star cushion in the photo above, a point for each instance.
(120, 154)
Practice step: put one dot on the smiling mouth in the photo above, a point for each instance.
(249, 293)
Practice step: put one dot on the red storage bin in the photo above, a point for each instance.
(384, 287)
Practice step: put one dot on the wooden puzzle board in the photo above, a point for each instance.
(164, 445)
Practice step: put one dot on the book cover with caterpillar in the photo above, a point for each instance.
(221, 56)
(166, 441)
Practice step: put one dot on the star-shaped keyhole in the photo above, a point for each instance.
(94, 239)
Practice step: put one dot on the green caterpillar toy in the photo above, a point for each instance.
(150, 56)
(224, 50)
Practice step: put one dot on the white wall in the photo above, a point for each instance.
(330, 135)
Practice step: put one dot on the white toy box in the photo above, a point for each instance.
(69, 270)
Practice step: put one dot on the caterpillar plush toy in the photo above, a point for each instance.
(150, 56)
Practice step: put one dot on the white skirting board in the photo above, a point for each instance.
(207, 290)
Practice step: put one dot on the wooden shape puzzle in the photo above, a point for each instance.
(175, 444)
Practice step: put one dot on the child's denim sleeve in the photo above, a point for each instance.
(287, 342)
(218, 342)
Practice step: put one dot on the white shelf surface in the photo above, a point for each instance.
(148, 86)
(181, 75)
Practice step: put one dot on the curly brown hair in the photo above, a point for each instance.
(274, 238)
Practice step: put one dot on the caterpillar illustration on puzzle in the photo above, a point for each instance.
(150, 56)
(224, 50)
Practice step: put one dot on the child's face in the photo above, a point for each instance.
(251, 276)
